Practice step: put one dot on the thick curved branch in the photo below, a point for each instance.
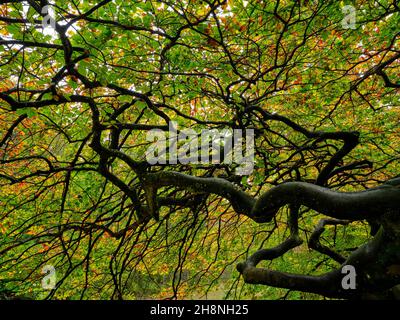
(364, 260)
(369, 204)
(241, 201)
(315, 244)
(272, 253)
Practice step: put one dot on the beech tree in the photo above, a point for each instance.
(83, 82)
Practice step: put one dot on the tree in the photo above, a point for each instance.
(316, 81)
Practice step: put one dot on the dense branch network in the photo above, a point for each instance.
(76, 106)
